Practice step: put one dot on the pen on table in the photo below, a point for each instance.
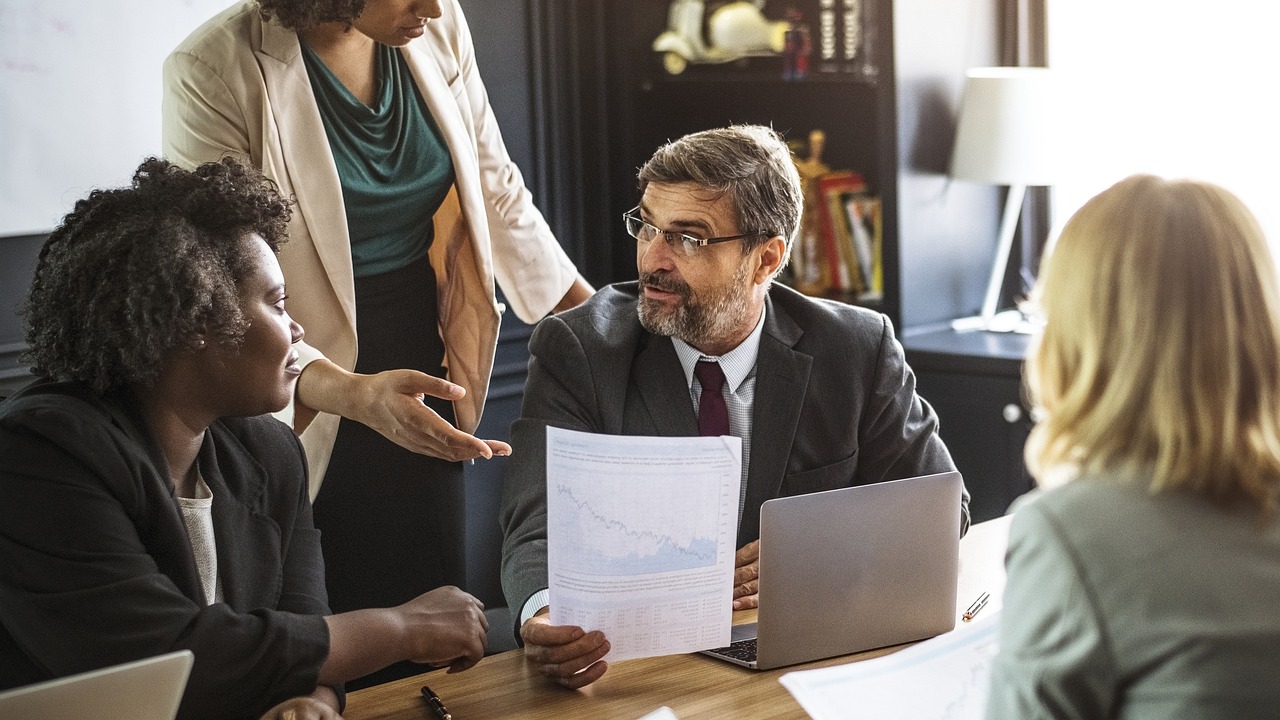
(977, 605)
(434, 701)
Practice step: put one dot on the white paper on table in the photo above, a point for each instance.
(662, 713)
(641, 533)
(944, 678)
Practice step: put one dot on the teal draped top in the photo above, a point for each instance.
(392, 161)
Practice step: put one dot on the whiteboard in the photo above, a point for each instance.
(80, 97)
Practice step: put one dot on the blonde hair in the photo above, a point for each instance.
(1160, 356)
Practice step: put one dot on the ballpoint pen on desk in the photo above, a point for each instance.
(977, 605)
(434, 701)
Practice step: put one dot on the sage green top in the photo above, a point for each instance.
(392, 161)
(1122, 604)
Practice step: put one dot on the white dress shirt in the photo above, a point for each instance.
(739, 367)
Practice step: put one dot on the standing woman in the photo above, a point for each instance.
(1146, 585)
(372, 114)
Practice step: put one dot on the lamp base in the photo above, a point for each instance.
(1009, 321)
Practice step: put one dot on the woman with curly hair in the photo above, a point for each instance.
(373, 115)
(1144, 584)
(147, 504)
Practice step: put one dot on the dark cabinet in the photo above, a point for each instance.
(974, 382)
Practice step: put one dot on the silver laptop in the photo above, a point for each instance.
(147, 689)
(853, 569)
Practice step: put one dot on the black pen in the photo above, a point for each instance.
(434, 701)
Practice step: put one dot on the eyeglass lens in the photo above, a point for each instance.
(646, 233)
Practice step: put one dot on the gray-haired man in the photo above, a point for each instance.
(818, 391)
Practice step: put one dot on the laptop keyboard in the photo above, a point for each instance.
(744, 650)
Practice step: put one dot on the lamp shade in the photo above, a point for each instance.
(1007, 133)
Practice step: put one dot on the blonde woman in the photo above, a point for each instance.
(1145, 583)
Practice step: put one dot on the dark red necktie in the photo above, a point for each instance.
(713, 414)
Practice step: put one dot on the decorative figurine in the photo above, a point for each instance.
(736, 30)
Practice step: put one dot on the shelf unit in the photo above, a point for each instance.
(606, 103)
(600, 103)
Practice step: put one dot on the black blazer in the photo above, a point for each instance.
(835, 406)
(96, 567)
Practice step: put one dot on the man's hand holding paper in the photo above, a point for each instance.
(565, 653)
(640, 538)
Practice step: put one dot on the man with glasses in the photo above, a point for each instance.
(818, 391)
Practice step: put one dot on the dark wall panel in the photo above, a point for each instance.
(17, 265)
(500, 31)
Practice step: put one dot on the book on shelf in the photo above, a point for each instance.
(834, 232)
(863, 214)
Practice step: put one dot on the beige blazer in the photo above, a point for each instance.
(238, 85)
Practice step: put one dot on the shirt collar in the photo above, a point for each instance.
(737, 364)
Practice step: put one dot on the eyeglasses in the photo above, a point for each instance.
(646, 233)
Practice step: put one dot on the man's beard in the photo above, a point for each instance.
(701, 323)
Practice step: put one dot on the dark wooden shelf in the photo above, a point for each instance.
(730, 74)
(977, 351)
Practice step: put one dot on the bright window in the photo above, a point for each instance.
(1174, 88)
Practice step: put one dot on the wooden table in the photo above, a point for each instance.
(694, 686)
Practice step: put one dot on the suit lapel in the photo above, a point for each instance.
(293, 124)
(659, 379)
(248, 543)
(782, 378)
(176, 560)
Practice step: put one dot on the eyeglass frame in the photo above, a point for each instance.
(689, 243)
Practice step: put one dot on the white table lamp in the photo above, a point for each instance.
(1006, 135)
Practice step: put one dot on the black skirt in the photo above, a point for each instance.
(392, 521)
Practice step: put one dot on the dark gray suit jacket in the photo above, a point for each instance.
(835, 406)
(96, 567)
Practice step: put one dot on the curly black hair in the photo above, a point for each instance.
(299, 15)
(133, 273)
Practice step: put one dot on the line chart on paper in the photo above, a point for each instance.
(640, 538)
(609, 530)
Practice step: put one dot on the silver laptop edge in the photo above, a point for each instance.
(149, 689)
(856, 568)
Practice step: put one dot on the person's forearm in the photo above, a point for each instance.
(328, 696)
(361, 642)
(578, 293)
(326, 387)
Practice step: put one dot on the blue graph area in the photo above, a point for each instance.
(629, 545)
